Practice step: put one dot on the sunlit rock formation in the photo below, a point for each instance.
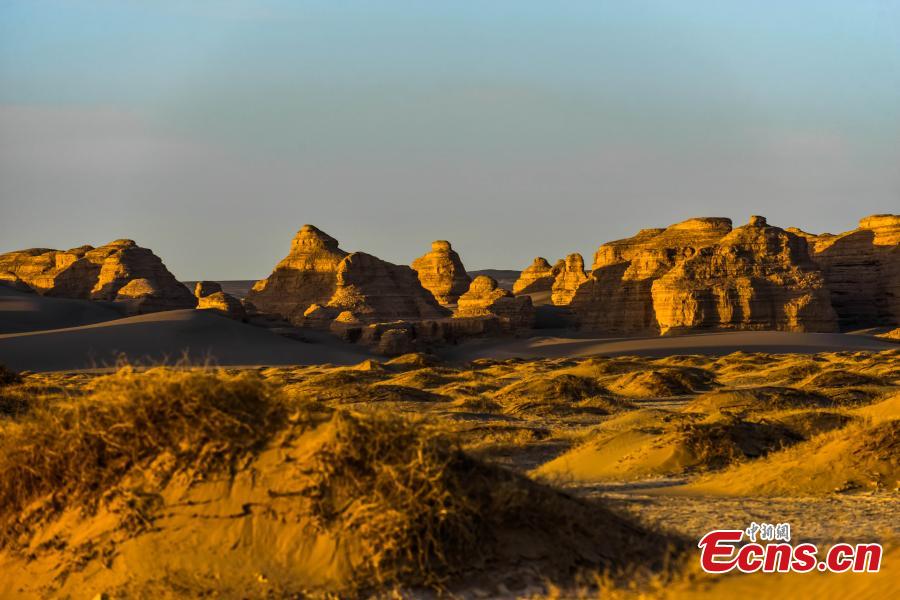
(121, 272)
(862, 270)
(485, 298)
(538, 277)
(442, 273)
(568, 279)
(317, 271)
(756, 277)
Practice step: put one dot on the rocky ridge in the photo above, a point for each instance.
(862, 270)
(756, 277)
(121, 272)
(317, 273)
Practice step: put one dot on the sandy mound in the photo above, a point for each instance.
(882, 411)
(840, 378)
(662, 383)
(165, 337)
(761, 399)
(193, 483)
(426, 377)
(892, 335)
(412, 361)
(643, 444)
(23, 311)
(864, 455)
(555, 395)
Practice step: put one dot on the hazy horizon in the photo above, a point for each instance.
(211, 131)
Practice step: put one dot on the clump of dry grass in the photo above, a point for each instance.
(722, 441)
(8, 377)
(555, 394)
(77, 449)
(422, 511)
(660, 383)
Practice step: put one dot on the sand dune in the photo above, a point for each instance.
(22, 311)
(709, 344)
(165, 336)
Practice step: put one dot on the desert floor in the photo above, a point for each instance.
(670, 446)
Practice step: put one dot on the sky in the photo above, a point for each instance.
(212, 130)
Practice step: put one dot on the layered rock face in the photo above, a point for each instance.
(318, 272)
(756, 277)
(211, 297)
(485, 299)
(441, 272)
(224, 304)
(538, 277)
(862, 271)
(376, 290)
(120, 272)
(616, 297)
(568, 279)
(306, 276)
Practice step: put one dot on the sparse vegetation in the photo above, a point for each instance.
(410, 473)
(76, 449)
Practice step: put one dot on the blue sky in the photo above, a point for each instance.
(211, 131)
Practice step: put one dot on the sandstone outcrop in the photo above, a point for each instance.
(205, 288)
(120, 272)
(211, 297)
(375, 290)
(442, 273)
(756, 277)
(306, 276)
(862, 271)
(568, 279)
(11, 280)
(485, 298)
(224, 304)
(538, 277)
(318, 272)
(616, 297)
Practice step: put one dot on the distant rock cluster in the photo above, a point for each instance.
(698, 275)
(121, 272)
(701, 274)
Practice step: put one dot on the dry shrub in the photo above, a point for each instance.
(760, 399)
(661, 383)
(75, 450)
(840, 378)
(422, 511)
(8, 377)
(721, 442)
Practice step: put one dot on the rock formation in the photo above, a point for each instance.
(862, 271)
(120, 272)
(441, 272)
(205, 288)
(11, 280)
(306, 276)
(485, 298)
(317, 271)
(538, 277)
(756, 277)
(375, 290)
(616, 298)
(224, 304)
(211, 297)
(568, 279)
